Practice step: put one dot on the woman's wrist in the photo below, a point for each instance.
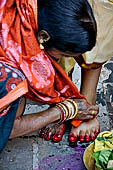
(68, 110)
(56, 114)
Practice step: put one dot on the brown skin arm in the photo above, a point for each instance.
(31, 122)
(89, 81)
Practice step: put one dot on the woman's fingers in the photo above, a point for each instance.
(87, 117)
(93, 112)
(93, 107)
(84, 116)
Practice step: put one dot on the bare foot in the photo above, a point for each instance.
(53, 131)
(86, 131)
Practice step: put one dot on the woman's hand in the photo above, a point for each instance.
(85, 110)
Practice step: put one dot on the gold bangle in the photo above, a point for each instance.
(76, 108)
(68, 108)
(71, 108)
(65, 109)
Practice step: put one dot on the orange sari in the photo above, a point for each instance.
(45, 81)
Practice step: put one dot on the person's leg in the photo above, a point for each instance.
(87, 130)
(89, 81)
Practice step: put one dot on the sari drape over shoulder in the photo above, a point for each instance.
(45, 81)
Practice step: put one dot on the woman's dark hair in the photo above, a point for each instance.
(70, 24)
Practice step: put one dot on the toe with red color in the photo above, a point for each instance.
(48, 137)
(92, 137)
(87, 138)
(97, 132)
(42, 135)
(82, 138)
(72, 138)
(57, 137)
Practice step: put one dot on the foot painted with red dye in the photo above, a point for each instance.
(59, 134)
(53, 131)
(87, 131)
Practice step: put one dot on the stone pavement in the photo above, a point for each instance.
(33, 153)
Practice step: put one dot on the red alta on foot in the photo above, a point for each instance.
(81, 138)
(72, 138)
(58, 137)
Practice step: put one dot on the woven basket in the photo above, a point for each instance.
(88, 159)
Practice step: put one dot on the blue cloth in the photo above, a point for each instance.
(9, 79)
(6, 123)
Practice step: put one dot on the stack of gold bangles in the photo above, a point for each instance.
(68, 109)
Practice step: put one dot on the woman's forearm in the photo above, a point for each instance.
(31, 122)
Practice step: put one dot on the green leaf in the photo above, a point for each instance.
(96, 157)
(104, 157)
(111, 156)
(104, 138)
(100, 138)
